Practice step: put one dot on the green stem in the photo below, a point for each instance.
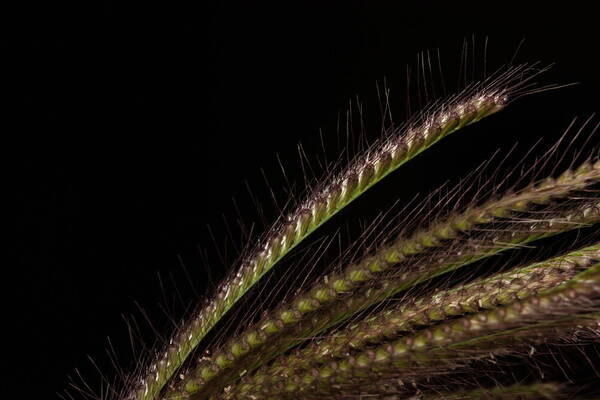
(533, 391)
(473, 104)
(483, 294)
(443, 346)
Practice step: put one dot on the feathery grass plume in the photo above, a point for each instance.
(367, 381)
(485, 293)
(330, 296)
(547, 315)
(477, 101)
(533, 391)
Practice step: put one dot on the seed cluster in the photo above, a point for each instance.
(440, 344)
(474, 103)
(410, 340)
(277, 330)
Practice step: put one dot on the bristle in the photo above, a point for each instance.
(400, 145)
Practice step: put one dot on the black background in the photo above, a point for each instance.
(129, 127)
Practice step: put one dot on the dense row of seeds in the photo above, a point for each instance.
(501, 289)
(415, 373)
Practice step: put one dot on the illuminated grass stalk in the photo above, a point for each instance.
(368, 381)
(474, 103)
(445, 345)
(500, 289)
(294, 320)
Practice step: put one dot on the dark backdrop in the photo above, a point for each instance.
(130, 126)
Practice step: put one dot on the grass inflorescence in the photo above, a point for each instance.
(328, 297)
(423, 298)
(477, 101)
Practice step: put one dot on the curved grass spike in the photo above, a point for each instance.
(358, 376)
(474, 103)
(453, 342)
(587, 215)
(328, 290)
(500, 289)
